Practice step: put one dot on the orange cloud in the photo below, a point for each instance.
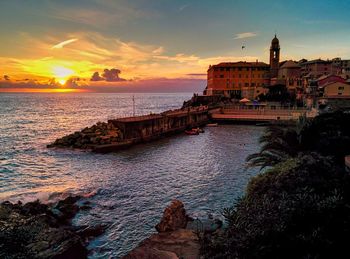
(95, 52)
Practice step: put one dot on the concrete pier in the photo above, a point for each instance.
(145, 128)
(260, 114)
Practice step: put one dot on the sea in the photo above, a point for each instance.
(128, 190)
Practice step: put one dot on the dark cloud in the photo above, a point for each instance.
(72, 82)
(96, 77)
(6, 77)
(112, 75)
(109, 75)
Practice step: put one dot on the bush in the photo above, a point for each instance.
(298, 209)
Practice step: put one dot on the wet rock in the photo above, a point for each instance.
(173, 241)
(67, 208)
(92, 231)
(174, 217)
(181, 243)
(32, 231)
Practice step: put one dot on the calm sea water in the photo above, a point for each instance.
(131, 188)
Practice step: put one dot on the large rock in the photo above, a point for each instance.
(181, 243)
(36, 230)
(174, 217)
(173, 241)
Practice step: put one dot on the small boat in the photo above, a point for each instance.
(192, 132)
(200, 130)
(212, 125)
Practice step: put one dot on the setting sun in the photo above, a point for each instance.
(62, 74)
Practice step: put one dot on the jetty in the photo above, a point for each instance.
(123, 132)
(120, 133)
(140, 129)
(241, 113)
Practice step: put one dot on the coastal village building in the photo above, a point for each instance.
(243, 79)
(238, 79)
(289, 75)
(326, 79)
(304, 79)
(318, 67)
(336, 90)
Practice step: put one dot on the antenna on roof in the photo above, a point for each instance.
(133, 105)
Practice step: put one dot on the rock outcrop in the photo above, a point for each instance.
(173, 241)
(36, 230)
(181, 243)
(99, 134)
(174, 217)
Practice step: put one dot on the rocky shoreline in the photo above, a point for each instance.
(177, 237)
(101, 133)
(36, 230)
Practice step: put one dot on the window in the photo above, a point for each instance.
(233, 84)
(246, 76)
(216, 69)
(341, 88)
(246, 84)
(253, 84)
(239, 69)
(221, 76)
(227, 69)
(340, 93)
(239, 75)
(222, 69)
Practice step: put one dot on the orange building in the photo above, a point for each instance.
(238, 79)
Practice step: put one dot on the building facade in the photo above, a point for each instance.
(238, 79)
(289, 74)
(336, 90)
(315, 68)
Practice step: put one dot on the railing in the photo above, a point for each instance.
(127, 117)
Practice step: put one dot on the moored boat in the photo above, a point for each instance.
(192, 132)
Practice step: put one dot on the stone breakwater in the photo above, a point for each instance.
(124, 132)
(99, 134)
(36, 230)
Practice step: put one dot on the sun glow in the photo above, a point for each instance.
(62, 74)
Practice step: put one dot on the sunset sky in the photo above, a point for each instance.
(117, 44)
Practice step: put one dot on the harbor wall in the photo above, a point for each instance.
(140, 129)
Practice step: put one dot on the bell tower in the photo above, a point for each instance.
(274, 57)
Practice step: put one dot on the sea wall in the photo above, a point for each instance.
(121, 133)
